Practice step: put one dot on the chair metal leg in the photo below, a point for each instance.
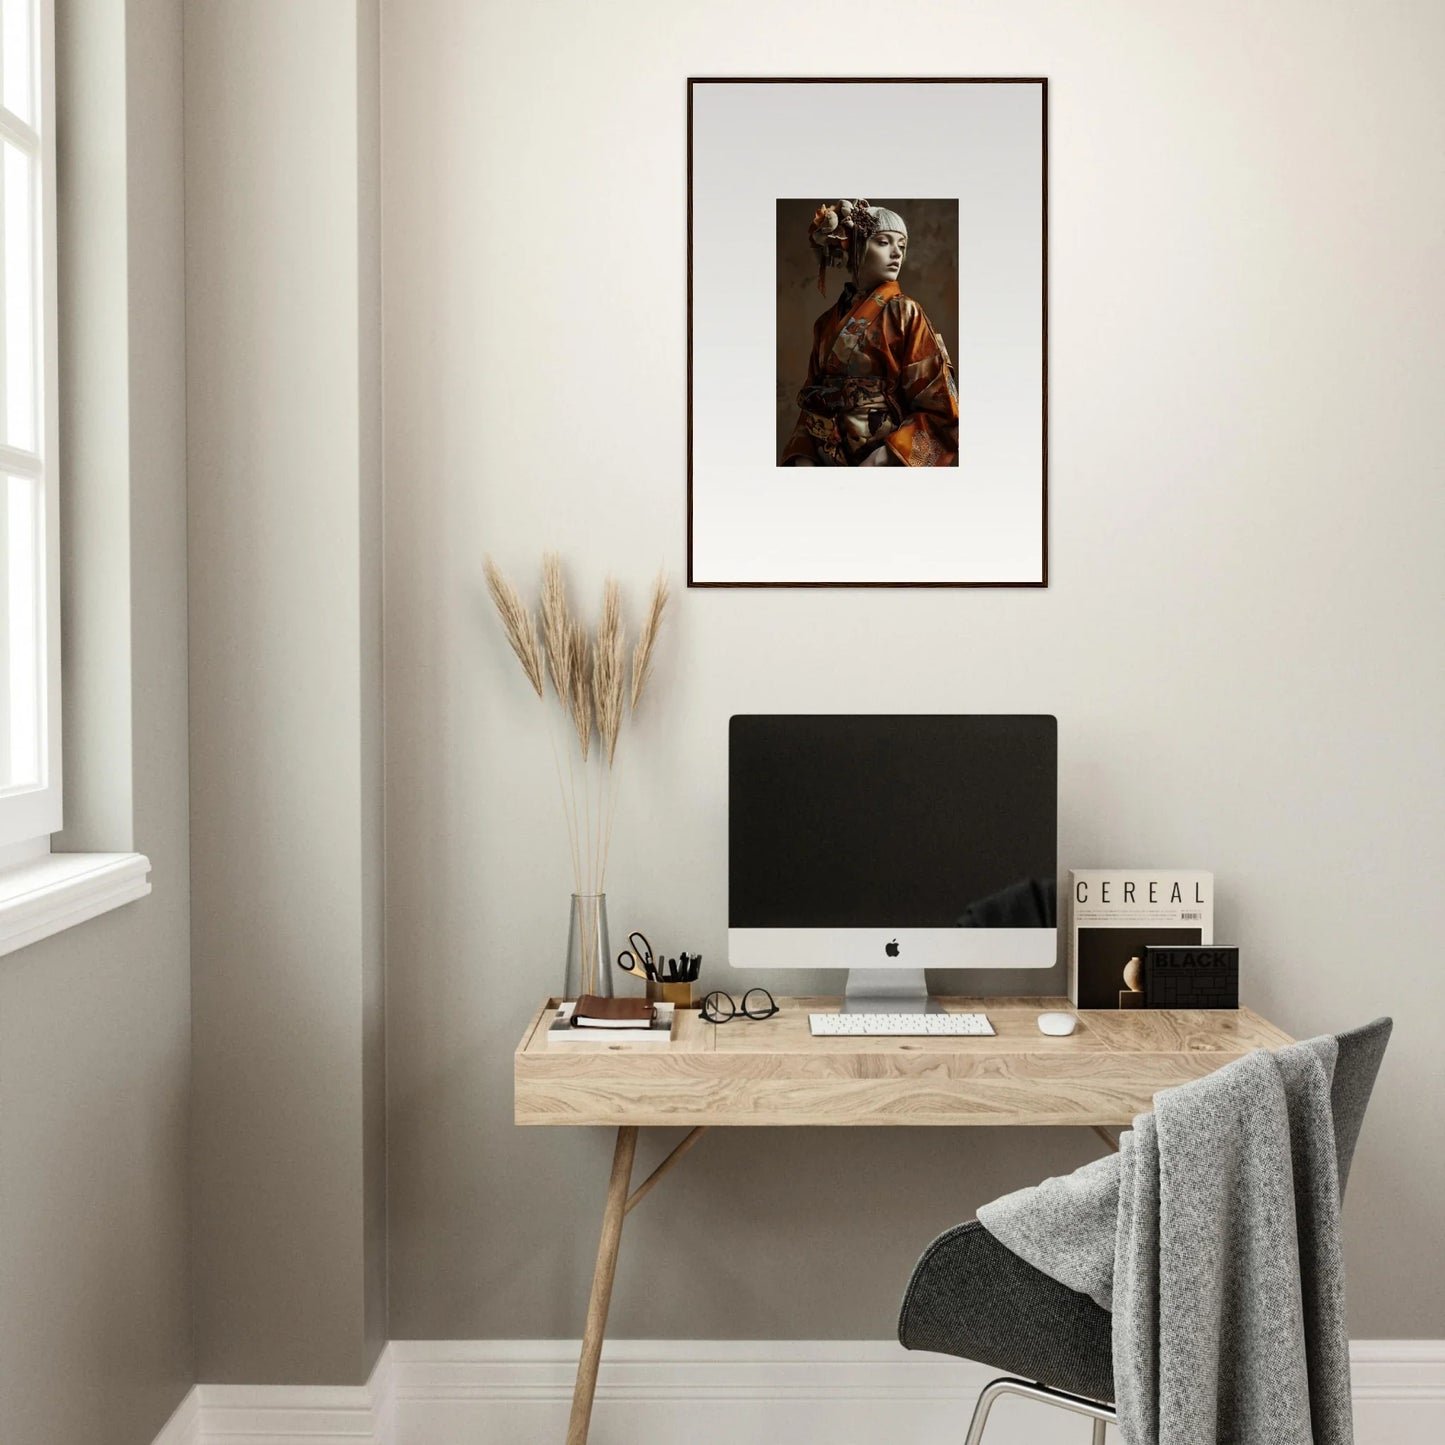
(990, 1393)
(1099, 1413)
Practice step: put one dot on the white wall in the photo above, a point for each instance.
(282, 368)
(1241, 638)
(95, 1309)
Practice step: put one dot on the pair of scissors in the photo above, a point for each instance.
(637, 958)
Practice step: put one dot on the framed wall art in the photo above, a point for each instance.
(867, 333)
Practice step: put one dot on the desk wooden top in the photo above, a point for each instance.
(774, 1072)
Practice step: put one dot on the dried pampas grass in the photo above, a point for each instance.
(589, 679)
(651, 626)
(518, 623)
(579, 685)
(556, 626)
(608, 670)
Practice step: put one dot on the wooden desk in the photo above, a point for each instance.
(773, 1073)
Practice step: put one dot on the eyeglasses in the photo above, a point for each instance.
(718, 1007)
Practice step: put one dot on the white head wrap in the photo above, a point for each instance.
(889, 220)
(836, 237)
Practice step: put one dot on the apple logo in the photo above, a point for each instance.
(891, 949)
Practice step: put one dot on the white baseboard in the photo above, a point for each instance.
(1398, 1387)
(714, 1392)
(184, 1427)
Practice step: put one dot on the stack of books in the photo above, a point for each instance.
(1116, 914)
(591, 1027)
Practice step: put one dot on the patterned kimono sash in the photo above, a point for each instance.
(829, 402)
(868, 382)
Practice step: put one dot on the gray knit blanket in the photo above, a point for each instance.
(1213, 1236)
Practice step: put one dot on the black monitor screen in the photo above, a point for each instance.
(892, 822)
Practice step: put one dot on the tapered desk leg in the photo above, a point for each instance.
(1106, 1136)
(601, 1298)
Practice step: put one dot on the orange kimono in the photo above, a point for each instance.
(879, 375)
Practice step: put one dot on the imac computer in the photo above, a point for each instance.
(890, 844)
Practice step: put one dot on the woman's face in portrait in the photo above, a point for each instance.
(882, 257)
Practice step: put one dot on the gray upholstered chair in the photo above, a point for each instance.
(970, 1296)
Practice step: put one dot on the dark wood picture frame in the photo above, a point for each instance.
(1042, 83)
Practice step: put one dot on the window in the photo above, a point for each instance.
(30, 806)
(41, 892)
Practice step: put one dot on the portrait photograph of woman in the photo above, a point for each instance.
(869, 382)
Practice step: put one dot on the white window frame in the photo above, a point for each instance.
(42, 892)
(29, 815)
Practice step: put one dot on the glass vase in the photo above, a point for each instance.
(589, 958)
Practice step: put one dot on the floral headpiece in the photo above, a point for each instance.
(836, 232)
(839, 232)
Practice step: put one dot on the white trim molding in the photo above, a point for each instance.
(282, 1414)
(1398, 1387)
(184, 1427)
(59, 890)
(714, 1392)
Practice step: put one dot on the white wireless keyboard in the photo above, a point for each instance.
(898, 1025)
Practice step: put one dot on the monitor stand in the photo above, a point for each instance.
(888, 991)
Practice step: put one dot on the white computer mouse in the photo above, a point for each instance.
(1057, 1024)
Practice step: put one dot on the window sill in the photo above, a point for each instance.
(62, 889)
